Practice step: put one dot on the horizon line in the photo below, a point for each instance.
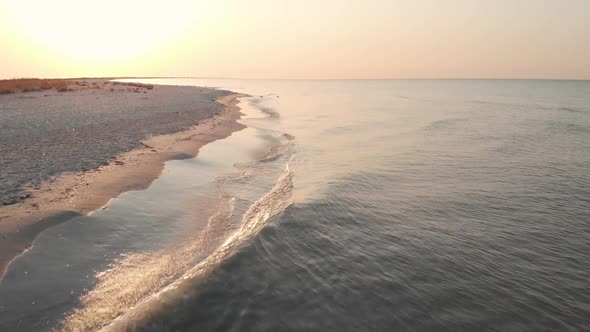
(310, 79)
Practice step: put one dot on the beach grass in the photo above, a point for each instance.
(32, 84)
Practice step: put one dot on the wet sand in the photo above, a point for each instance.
(51, 200)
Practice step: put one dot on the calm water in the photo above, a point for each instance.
(344, 206)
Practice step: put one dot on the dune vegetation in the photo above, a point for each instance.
(32, 84)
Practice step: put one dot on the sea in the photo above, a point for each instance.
(344, 205)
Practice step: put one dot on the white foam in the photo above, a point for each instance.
(258, 215)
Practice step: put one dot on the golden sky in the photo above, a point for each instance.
(296, 39)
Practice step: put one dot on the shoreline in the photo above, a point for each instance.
(81, 193)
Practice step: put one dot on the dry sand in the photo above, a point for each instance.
(79, 193)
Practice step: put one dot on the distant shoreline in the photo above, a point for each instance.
(549, 79)
(78, 193)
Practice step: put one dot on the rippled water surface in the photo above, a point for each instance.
(344, 206)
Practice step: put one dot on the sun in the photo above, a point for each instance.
(105, 29)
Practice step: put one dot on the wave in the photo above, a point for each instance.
(239, 178)
(138, 286)
(134, 279)
(270, 112)
(258, 215)
(258, 104)
(135, 276)
(273, 153)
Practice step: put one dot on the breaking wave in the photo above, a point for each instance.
(135, 276)
(258, 215)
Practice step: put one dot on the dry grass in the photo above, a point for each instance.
(32, 84)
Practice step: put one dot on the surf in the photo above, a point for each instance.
(258, 215)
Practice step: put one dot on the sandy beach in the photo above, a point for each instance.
(269, 166)
(67, 154)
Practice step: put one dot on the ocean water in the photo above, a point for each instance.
(391, 205)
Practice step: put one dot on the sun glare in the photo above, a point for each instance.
(103, 30)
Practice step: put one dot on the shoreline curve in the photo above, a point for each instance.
(81, 193)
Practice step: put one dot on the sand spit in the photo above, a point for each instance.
(71, 194)
(46, 133)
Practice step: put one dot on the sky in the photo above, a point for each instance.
(304, 39)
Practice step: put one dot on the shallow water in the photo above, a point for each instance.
(95, 125)
(350, 205)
